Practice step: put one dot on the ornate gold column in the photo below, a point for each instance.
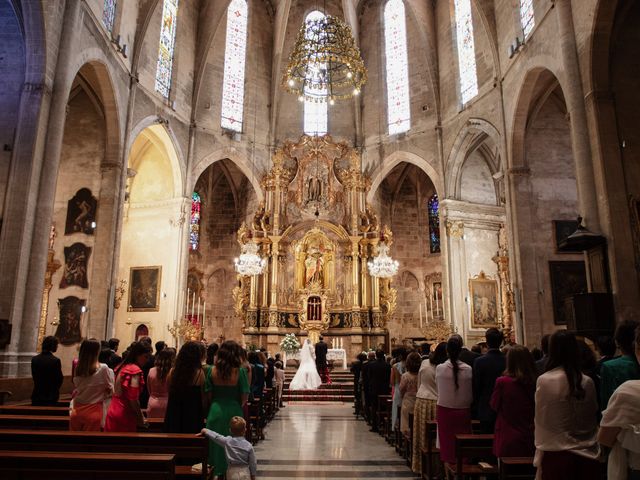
(355, 283)
(506, 292)
(52, 266)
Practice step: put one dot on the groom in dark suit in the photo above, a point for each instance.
(321, 361)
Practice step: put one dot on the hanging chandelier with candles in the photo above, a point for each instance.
(250, 263)
(325, 64)
(382, 265)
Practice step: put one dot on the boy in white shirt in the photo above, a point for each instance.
(239, 452)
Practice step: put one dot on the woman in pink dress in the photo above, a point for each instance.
(124, 413)
(513, 400)
(157, 383)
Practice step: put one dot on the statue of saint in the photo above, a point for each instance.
(314, 264)
(314, 189)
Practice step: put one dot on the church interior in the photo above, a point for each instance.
(194, 170)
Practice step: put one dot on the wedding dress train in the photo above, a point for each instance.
(306, 378)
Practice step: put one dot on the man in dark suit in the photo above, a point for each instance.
(321, 360)
(46, 371)
(486, 369)
(378, 377)
(541, 364)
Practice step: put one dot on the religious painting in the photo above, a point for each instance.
(76, 259)
(81, 213)
(567, 279)
(562, 229)
(144, 289)
(70, 310)
(436, 293)
(5, 332)
(484, 301)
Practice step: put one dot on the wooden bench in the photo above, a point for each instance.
(31, 410)
(56, 422)
(187, 449)
(517, 468)
(470, 446)
(36, 465)
(430, 455)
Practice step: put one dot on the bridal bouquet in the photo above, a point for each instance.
(290, 343)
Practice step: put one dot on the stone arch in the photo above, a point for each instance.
(170, 144)
(390, 162)
(472, 136)
(239, 159)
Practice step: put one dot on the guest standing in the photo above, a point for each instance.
(619, 428)
(257, 375)
(157, 383)
(565, 418)
(426, 401)
(617, 371)
(279, 378)
(229, 388)
(397, 370)
(378, 373)
(114, 359)
(607, 349)
(544, 346)
(212, 350)
(124, 413)
(93, 389)
(408, 389)
(513, 402)
(455, 395)
(270, 373)
(46, 371)
(486, 369)
(356, 370)
(185, 407)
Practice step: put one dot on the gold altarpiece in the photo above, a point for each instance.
(317, 233)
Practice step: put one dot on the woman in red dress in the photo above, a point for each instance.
(124, 413)
(514, 403)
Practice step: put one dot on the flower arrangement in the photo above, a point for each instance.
(290, 343)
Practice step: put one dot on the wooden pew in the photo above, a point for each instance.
(430, 455)
(36, 465)
(473, 446)
(31, 410)
(53, 422)
(517, 468)
(187, 449)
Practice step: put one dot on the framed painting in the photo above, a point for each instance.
(144, 289)
(70, 310)
(561, 230)
(567, 279)
(81, 213)
(483, 292)
(76, 259)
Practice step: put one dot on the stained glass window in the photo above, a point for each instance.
(109, 14)
(316, 112)
(167, 45)
(434, 223)
(395, 35)
(234, 65)
(194, 224)
(527, 17)
(466, 51)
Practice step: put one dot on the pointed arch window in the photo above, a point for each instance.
(194, 223)
(395, 37)
(109, 14)
(167, 46)
(527, 17)
(235, 54)
(433, 207)
(316, 112)
(466, 51)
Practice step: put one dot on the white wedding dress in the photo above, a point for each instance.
(306, 378)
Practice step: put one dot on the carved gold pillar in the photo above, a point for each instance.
(273, 304)
(364, 277)
(264, 301)
(52, 266)
(253, 296)
(506, 291)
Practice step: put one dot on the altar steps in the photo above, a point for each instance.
(339, 390)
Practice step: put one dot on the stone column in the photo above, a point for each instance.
(574, 96)
(457, 281)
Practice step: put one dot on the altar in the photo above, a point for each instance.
(333, 354)
(316, 232)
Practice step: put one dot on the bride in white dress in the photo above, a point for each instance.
(306, 378)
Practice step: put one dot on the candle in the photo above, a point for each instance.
(198, 316)
(193, 304)
(426, 320)
(186, 304)
(204, 312)
(420, 305)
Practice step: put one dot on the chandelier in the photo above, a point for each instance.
(325, 64)
(383, 265)
(250, 263)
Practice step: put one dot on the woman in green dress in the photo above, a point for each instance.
(228, 387)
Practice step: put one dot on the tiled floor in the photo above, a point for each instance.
(315, 441)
